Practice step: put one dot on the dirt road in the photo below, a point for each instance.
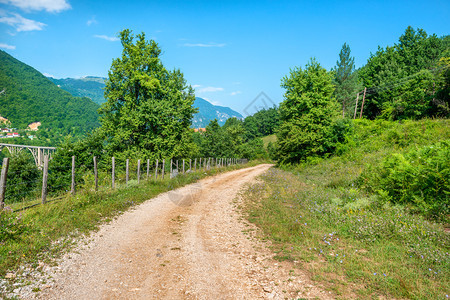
(189, 243)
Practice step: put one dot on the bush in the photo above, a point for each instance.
(418, 178)
(23, 177)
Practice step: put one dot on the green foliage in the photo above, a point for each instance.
(262, 123)
(149, 109)
(23, 177)
(420, 178)
(30, 97)
(307, 113)
(84, 150)
(408, 80)
(346, 81)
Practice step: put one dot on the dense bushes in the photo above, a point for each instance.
(419, 179)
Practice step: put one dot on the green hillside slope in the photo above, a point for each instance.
(30, 97)
(89, 86)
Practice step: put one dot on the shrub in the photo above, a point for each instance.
(418, 178)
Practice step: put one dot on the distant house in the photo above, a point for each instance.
(9, 135)
(199, 129)
(15, 134)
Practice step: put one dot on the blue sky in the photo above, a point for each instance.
(230, 51)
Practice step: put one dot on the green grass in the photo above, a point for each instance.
(347, 238)
(46, 231)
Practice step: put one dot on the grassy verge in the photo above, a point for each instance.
(349, 239)
(44, 232)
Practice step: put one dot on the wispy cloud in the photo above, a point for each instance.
(48, 75)
(203, 45)
(235, 93)
(20, 23)
(90, 21)
(53, 6)
(105, 37)
(6, 46)
(209, 89)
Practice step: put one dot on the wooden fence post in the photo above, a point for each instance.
(177, 166)
(195, 164)
(171, 168)
(156, 169)
(183, 166)
(72, 187)
(163, 169)
(44, 179)
(127, 171)
(95, 173)
(148, 168)
(362, 104)
(139, 171)
(5, 167)
(113, 173)
(190, 165)
(356, 105)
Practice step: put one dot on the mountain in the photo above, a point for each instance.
(89, 86)
(208, 112)
(92, 87)
(30, 97)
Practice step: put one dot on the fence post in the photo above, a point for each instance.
(139, 171)
(127, 171)
(171, 168)
(72, 187)
(200, 165)
(177, 166)
(44, 179)
(195, 164)
(95, 173)
(3, 182)
(190, 165)
(163, 168)
(148, 168)
(183, 166)
(156, 169)
(113, 173)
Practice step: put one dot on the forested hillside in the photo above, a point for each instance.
(89, 86)
(208, 112)
(30, 97)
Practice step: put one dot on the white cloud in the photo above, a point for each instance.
(38, 5)
(236, 93)
(48, 75)
(203, 45)
(210, 89)
(21, 23)
(90, 21)
(6, 46)
(211, 101)
(108, 38)
(196, 86)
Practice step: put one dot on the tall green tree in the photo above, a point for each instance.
(307, 113)
(149, 109)
(346, 79)
(406, 80)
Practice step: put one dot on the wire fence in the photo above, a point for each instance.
(28, 186)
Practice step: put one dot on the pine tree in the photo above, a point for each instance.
(346, 79)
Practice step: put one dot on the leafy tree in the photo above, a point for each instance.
(149, 109)
(406, 80)
(307, 113)
(346, 80)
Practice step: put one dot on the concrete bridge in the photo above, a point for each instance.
(37, 151)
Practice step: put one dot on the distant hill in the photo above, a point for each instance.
(92, 87)
(89, 86)
(30, 97)
(208, 112)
